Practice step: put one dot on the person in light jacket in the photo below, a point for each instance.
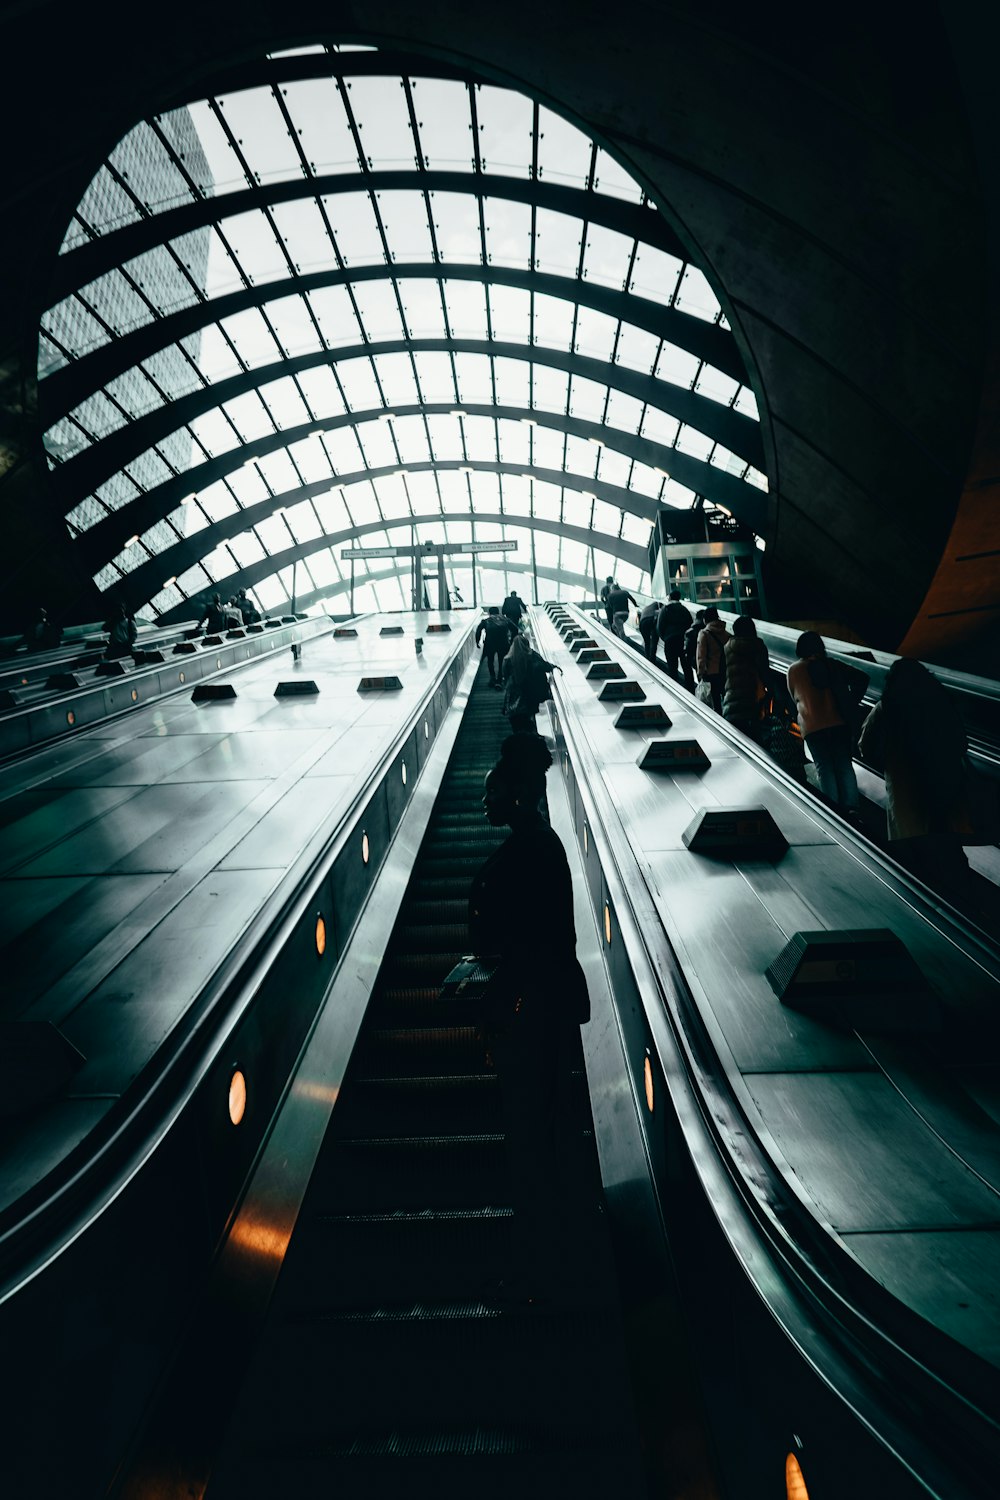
(820, 703)
(711, 657)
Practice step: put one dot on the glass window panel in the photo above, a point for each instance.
(345, 454)
(75, 326)
(321, 391)
(247, 484)
(755, 477)
(214, 433)
(549, 388)
(172, 373)
(582, 457)
(446, 437)
(392, 496)
(456, 225)
(695, 296)
(434, 375)
(279, 471)
(678, 494)
(553, 322)
(563, 151)
(332, 511)
(376, 444)
(196, 520)
(213, 269)
(273, 533)
(606, 521)
(612, 179)
(595, 334)
(335, 315)
(696, 443)
(106, 206)
(411, 439)
(378, 309)
(407, 231)
(547, 500)
(49, 357)
(251, 337)
(250, 416)
(383, 121)
(216, 502)
(607, 257)
(253, 243)
(363, 502)
(645, 481)
(505, 130)
(360, 387)
(149, 470)
(247, 548)
(255, 120)
(516, 492)
(270, 594)
(304, 235)
(636, 530)
(623, 412)
(475, 384)
(117, 302)
(547, 448)
(309, 457)
(216, 358)
(612, 467)
(485, 488)
(637, 349)
(423, 492)
(655, 274)
(162, 280)
(492, 531)
(575, 557)
(422, 308)
(466, 305)
(134, 392)
(746, 402)
(515, 442)
(395, 373)
(454, 489)
(355, 228)
(226, 174)
(74, 236)
(586, 399)
(480, 439)
(677, 366)
(317, 112)
(303, 521)
(510, 314)
(508, 232)
(513, 381)
(323, 569)
(193, 581)
(558, 239)
(660, 427)
(284, 402)
(444, 124)
(719, 387)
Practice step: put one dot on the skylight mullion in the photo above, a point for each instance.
(411, 110)
(153, 125)
(234, 144)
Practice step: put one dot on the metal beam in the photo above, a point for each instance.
(343, 586)
(96, 257)
(81, 475)
(139, 591)
(65, 388)
(102, 542)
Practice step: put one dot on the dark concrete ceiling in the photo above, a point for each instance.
(830, 184)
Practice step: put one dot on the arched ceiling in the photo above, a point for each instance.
(357, 294)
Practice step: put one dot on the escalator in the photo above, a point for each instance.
(388, 1362)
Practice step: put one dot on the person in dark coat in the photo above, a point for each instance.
(495, 630)
(245, 605)
(672, 625)
(617, 604)
(513, 608)
(747, 670)
(122, 632)
(214, 615)
(609, 584)
(525, 673)
(647, 628)
(691, 645)
(521, 915)
(915, 735)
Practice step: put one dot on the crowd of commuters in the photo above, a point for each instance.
(230, 614)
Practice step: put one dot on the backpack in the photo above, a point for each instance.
(537, 687)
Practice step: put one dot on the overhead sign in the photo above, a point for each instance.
(350, 552)
(431, 549)
(486, 546)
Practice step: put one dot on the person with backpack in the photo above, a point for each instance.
(121, 635)
(711, 657)
(827, 696)
(647, 628)
(495, 631)
(748, 668)
(672, 625)
(527, 677)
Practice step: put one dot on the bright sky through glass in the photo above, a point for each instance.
(485, 339)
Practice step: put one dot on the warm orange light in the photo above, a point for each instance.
(365, 850)
(237, 1097)
(795, 1485)
(135, 695)
(647, 1073)
(320, 934)
(607, 923)
(70, 717)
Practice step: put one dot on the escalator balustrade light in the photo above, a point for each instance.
(586, 838)
(320, 934)
(365, 849)
(402, 769)
(647, 1077)
(427, 730)
(237, 1097)
(795, 1484)
(218, 661)
(182, 677)
(70, 718)
(135, 695)
(607, 923)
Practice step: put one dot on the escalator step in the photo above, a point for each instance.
(414, 1173)
(463, 1104)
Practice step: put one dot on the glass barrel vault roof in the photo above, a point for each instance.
(356, 296)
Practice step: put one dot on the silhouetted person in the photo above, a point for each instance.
(521, 913)
(248, 611)
(609, 584)
(711, 655)
(526, 676)
(747, 671)
(691, 645)
(647, 628)
(42, 634)
(617, 604)
(827, 695)
(672, 624)
(214, 615)
(121, 634)
(915, 735)
(513, 608)
(495, 631)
